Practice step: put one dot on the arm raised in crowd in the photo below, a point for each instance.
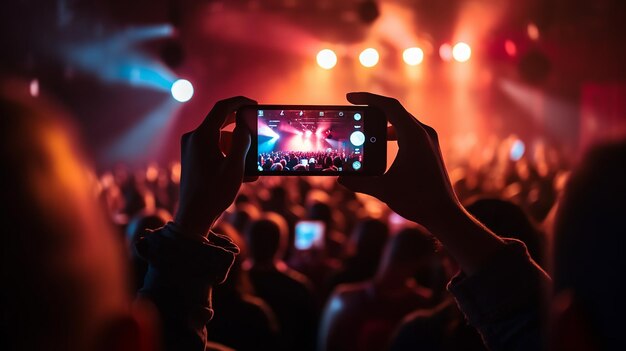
(417, 187)
(499, 288)
(185, 258)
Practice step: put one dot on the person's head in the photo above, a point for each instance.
(243, 215)
(276, 167)
(407, 251)
(64, 286)
(508, 220)
(337, 162)
(369, 239)
(267, 238)
(589, 257)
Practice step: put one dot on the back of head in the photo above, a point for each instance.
(507, 219)
(266, 238)
(62, 269)
(589, 242)
(410, 246)
(369, 238)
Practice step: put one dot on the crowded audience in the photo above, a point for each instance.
(213, 264)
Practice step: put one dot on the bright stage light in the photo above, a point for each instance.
(413, 56)
(461, 52)
(326, 59)
(510, 48)
(517, 150)
(307, 133)
(445, 51)
(369, 57)
(533, 31)
(182, 90)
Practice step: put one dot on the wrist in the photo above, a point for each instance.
(191, 226)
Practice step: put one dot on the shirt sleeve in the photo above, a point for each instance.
(505, 299)
(181, 272)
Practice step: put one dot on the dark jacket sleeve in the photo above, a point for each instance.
(182, 270)
(504, 301)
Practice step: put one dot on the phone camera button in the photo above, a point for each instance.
(373, 139)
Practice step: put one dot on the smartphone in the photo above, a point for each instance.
(309, 235)
(315, 140)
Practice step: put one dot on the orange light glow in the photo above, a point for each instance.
(461, 52)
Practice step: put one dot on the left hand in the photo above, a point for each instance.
(210, 180)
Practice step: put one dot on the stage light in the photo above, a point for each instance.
(34, 88)
(369, 57)
(326, 59)
(461, 52)
(517, 150)
(307, 133)
(182, 90)
(413, 56)
(510, 48)
(533, 31)
(445, 51)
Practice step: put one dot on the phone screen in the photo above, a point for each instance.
(320, 140)
(309, 235)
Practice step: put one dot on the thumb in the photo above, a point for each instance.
(365, 185)
(239, 148)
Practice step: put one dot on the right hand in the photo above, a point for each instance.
(416, 186)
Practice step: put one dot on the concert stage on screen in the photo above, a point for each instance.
(310, 140)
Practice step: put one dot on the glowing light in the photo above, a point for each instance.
(357, 138)
(533, 31)
(413, 56)
(357, 116)
(445, 51)
(369, 57)
(510, 48)
(356, 165)
(182, 90)
(34, 88)
(517, 150)
(307, 133)
(461, 52)
(326, 59)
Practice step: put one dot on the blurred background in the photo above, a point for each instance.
(540, 76)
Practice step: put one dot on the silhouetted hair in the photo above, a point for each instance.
(508, 220)
(410, 244)
(370, 237)
(264, 239)
(590, 239)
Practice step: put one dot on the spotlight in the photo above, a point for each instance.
(510, 48)
(326, 59)
(307, 133)
(461, 52)
(445, 51)
(533, 31)
(517, 150)
(413, 56)
(182, 90)
(369, 57)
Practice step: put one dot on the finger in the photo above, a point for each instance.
(209, 129)
(395, 112)
(250, 179)
(391, 133)
(365, 185)
(235, 160)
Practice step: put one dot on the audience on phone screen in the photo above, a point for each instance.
(68, 270)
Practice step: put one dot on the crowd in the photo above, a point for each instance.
(420, 258)
(329, 160)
